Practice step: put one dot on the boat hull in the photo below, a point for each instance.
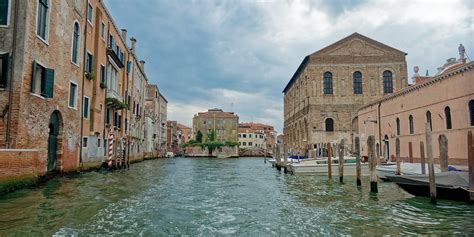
(322, 169)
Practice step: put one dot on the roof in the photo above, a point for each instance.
(162, 96)
(182, 126)
(211, 113)
(254, 125)
(455, 69)
(306, 60)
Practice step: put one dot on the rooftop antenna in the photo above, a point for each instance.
(427, 74)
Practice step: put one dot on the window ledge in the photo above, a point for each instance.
(4, 26)
(75, 64)
(42, 40)
(39, 96)
(73, 108)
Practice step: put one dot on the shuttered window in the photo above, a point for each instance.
(42, 19)
(90, 12)
(72, 95)
(4, 12)
(75, 43)
(89, 63)
(42, 81)
(3, 70)
(102, 74)
(85, 107)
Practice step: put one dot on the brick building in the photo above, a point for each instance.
(152, 120)
(258, 128)
(445, 101)
(172, 141)
(163, 108)
(225, 124)
(323, 96)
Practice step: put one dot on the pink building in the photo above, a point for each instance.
(446, 101)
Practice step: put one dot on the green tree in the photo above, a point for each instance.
(199, 137)
(211, 136)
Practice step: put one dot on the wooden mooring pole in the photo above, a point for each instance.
(470, 160)
(372, 164)
(278, 159)
(422, 158)
(443, 152)
(410, 152)
(329, 151)
(357, 154)
(341, 161)
(285, 159)
(429, 150)
(397, 153)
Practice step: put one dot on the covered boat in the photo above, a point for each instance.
(405, 169)
(453, 185)
(320, 167)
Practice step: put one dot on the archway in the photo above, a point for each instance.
(54, 126)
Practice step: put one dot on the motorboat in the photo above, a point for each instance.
(320, 167)
(405, 168)
(453, 185)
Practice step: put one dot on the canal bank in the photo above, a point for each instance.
(218, 197)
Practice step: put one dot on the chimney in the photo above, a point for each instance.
(134, 43)
(124, 35)
(142, 63)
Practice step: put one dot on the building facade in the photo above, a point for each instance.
(252, 139)
(225, 124)
(444, 101)
(172, 137)
(163, 108)
(152, 120)
(258, 128)
(322, 98)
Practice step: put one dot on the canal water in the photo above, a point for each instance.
(221, 197)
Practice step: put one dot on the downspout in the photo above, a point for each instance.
(106, 88)
(380, 130)
(82, 89)
(10, 93)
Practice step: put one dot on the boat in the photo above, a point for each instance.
(271, 160)
(297, 158)
(320, 167)
(405, 168)
(453, 185)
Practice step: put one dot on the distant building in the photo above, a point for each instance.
(225, 124)
(172, 142)
(252, 139)
(162, 126)
(445, 101)
(258, 128)
(323, 96)
(184, 133)
(152, 122)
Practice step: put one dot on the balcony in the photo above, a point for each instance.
(115, 57)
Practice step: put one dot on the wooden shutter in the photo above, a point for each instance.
(4, 72)
(3, 12)
(47, 84)
(33, 77)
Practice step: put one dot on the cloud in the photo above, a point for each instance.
(239, 55)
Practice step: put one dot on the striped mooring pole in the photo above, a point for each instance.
(111, 147)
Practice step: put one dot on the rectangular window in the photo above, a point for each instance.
(84, 142)
(116, 119)
(85, 107)
(102, 31)
(42, 80)
(245, 143)
(98, 142)
(107, 116)
(102, 74)
(89, 63)
(4, 9)
(42, 20)
(111, 41)
(72, 95)
(3, 69)
(250, 143)
(90, 12)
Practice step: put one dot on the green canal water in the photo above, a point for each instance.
(221, 197)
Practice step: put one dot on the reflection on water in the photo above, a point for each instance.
(218, 197)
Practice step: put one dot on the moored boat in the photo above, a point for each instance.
(320, 167)
(453, 185)
(405, 169)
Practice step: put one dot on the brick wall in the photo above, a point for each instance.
(18, 167)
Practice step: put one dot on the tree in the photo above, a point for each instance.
(199, 137)
(211, 136)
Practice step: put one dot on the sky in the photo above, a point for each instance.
(238, 55)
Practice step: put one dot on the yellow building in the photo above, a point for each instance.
(225, 124)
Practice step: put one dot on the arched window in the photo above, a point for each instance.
(410, 124)
(329, 125)
(327, 83)
(428, 120)
(357, 79)
(75, 43)
(387, 82)
(471, 111)
(447, 117)
(398, 127)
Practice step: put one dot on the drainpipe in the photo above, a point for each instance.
(10, 93)
(82, 89)
(380, 129)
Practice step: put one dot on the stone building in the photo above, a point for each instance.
(323, 96)
(249, 139)
(444, 101)
(225, 124)
(163, 111)
(184, 135)
(267, 130)
(172, 141)
(152, 120)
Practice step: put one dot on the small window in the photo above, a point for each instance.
(398, 126)
(471, 111)
(75, 43)
(245, 135)
(245, 143)
(4, 9)
(89, 63)
(250, 143)
(329, 125)
(447, 116)
(250, 135)
(410, 124)
(387, 82)
(357, 79)
(42, 19)
(72, 94)
(327, 81)
(42, 80)
(85, 107)
(3, 70)
(90, 12)
(102, 74)
(111, 41)
(428, 120)
(102, 31)
(84, 142)
(98, 142)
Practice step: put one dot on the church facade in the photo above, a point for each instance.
(322, 98)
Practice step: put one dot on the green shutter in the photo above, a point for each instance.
(4, 72)
(47, 85)
(3, 12)
(33, 77)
